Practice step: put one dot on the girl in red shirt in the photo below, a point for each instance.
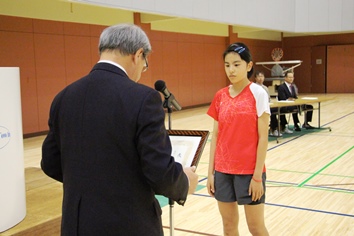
(237, 172)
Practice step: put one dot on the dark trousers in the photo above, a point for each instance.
(273, 118)
(294, 110)
(306, 108)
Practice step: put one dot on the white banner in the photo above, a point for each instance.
(12, 175)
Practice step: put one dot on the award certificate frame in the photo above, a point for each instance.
(188, 145)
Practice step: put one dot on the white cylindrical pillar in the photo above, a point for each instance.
(12, 176)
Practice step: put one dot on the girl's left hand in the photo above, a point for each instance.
(256, 190)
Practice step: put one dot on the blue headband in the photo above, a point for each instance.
(239, 49)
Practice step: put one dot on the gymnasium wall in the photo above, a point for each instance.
(50, 55)
(53, 54)
(299, 48)
(340, 68)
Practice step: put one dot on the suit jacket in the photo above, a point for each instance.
(284, 93)
(109, 146)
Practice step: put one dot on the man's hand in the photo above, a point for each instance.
(193, 178)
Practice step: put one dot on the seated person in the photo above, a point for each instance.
(259, 79)
(288, 91)
(274, 124)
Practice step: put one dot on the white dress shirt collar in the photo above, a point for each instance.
(287, 84)
(113, 63)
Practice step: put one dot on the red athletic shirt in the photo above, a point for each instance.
(237, 141)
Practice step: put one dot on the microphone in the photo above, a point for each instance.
(160, 86)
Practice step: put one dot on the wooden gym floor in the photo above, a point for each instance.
(310, 177)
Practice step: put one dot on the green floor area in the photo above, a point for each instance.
(164, 201)
(299, 133)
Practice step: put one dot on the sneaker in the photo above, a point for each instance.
(287, 131)
(277, 134)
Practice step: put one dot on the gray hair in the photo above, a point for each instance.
(127, 38)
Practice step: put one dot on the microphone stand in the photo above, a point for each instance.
(168, 105)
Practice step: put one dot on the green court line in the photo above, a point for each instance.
(280, 184)
(290, 171)
(318, 172)
(320, 188)
(310, 173)
(323, 188)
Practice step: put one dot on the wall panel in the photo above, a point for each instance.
(96, 30)
(214, 73)
(77, 57)
(185, 78)
(340, 69)
(318, 69)
(48, 27)
(16, 24)
(199, 74)
(155, 63)
(50, 70)
(17, 51)
(170, 67)
(303, 72)
(94, 50)
(76, 29)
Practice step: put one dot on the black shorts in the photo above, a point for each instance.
(234, 188)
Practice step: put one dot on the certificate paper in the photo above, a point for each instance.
(188, 145)
(184, 148)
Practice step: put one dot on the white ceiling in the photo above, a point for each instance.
(103, 12)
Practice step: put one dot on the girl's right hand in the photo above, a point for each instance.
(210, 185)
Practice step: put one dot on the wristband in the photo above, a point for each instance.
(257, 180)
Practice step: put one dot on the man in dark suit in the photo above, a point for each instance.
(288, 91)
(108, 145)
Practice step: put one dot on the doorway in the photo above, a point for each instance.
(318, 69)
